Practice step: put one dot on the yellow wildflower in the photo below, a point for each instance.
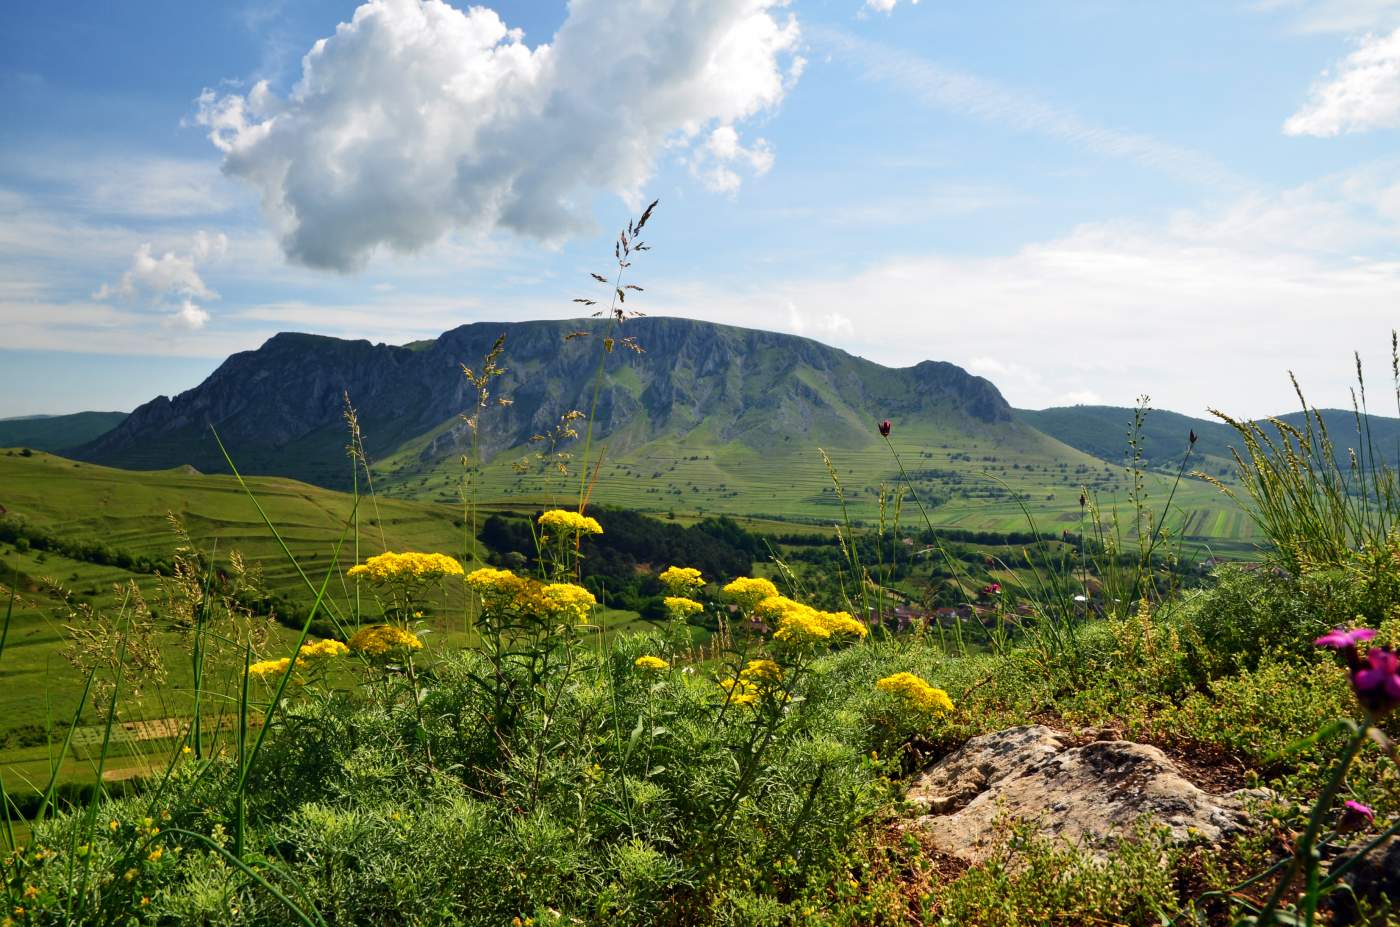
(567, 602)
(311, 656)
(747, 591)
(382, 640)
(651, 663)
(801, 624)
(916, 692)
(681, 608)
(740, 691)
(681, 581)
(323, 650)
(561, 523)
(843, 623)
(390, 567)
(762, 672)
(155, 855)
(265, 668)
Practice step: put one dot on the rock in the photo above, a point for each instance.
(1087, 795)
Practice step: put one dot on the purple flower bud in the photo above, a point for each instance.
(1354, 817)
(1376, 681)
(885, 427)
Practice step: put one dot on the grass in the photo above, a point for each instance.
(39, 688)
(973, 486)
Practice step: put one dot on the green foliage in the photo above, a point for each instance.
(1034, 880)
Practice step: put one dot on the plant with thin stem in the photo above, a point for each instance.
(628, 244)
(1375, 681)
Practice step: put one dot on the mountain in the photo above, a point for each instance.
(57, 432)
(708, 419)
(1103, 431)
(281, 407)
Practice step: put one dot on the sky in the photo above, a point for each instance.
(1083, 201)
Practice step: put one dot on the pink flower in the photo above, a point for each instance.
(1355, 816)
(885, 427)
(1342, 639)
(1377, 681)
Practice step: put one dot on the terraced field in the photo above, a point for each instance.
(976, 486)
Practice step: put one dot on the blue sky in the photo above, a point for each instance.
(1082, 201)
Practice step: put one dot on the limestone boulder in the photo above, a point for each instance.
(1088, 795)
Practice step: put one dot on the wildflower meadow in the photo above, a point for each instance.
(476, 739)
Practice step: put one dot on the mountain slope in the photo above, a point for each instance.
(710, 419)
(57, 432)
(1103, 431)
(280, 407)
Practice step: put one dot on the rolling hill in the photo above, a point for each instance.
(57, 432)
(1103, 432)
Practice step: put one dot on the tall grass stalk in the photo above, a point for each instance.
(1313, 508)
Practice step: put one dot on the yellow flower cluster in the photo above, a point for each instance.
(323, 649)
(681, 581)
(312, 655)
(755, 679)
(762, 671)
(562, 523)
(802, 624)
(406, 568)
(264, 668)
(495, 586)
(916, 692)
(381, 640)
(567, 602)
(747, 592)
(651, 663)
(680, 607)
(502, 590)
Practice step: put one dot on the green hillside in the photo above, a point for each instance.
(1103, 431)
(57, 432)
(127, 512)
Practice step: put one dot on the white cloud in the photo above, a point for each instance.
(1201, 309)
(1334, 16)
(170, 278)
(1362, 94)
(715, 161)
(416, 118)
(126, 185)
(1081, 397)
(884, 6)
(190, 317)
(830, 325)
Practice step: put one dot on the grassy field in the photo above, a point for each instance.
(39, 689)
(981, 487)
(974, 488)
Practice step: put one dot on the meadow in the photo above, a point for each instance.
(433, 730)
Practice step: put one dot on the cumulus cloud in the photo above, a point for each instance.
(716, 160)
(829, 325)
(416, 118)
(170, 280)
(1362, 93)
